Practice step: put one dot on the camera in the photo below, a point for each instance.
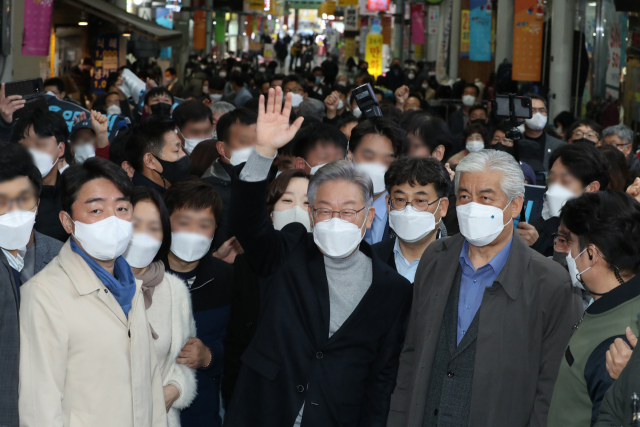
(367, 101)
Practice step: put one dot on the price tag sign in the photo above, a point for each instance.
(106, 61)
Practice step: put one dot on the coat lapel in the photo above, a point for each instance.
(9, 273)
(320, 285)
(42, 251)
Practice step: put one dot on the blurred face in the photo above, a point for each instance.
(342, 80)
(199, 221)
(478, 115)
(475, 137)
(324, 152)
(168, 76)
(417, 148)
(296, 195)
(584, 131)
(374, 148)
(83, 136)
(146, 219)
(241, 136)
(559, 174)
(197, 130)
(294, 87)
(55, 91)
(615, 141)
(276, 83)
(216, 117)
(47, 144)
(285, 162)
(264, 88)
(112, 99)
(469, 91)
(537, 106)
(347, 128)
(17, 194)
(500, 138)
(412, 104)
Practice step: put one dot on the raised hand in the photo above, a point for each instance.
(229, 250)
(80, 117)
(9, 105)
(634, 189)
(619, 354)
(100, 125)
(401, 94)
(273, 127)
(331, 102)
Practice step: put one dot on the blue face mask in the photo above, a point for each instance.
(318, 80)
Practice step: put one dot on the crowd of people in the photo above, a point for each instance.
(250, 249)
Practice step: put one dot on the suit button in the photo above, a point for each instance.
(435, 412)
(450, 374)
(319, 355)
(106, 291)
(300, 388)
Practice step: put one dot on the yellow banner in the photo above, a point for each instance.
(465, 35)
(349, 47)
(373, 55)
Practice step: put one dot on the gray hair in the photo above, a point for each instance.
(512, 182)
(341, 170)
(222, 107)
(311, 109)
(624, 133)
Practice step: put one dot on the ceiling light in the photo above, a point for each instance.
(83, 19)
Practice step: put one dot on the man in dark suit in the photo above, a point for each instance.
(325, 351)
(416, 203)
(534, 131)
(490, 318)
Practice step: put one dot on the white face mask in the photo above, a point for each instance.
(340, 105)
(189, 247)
(15, 229)
(537, 122)
(411, 224)
(425, 86)
(557, 196)
(189, 143)
(43, 161)
(114, 110)
(468, 100)
(222, 74)
(84, 151)
(357, 112)
(337, 238)
(215, 97)
(480, 224)
(240, 156)
(262, 70)
(411, 76)
(474, 146)
(205, 89)
(104, 240)
(376, 172)
(314, 169)
(296, 100)
(576, 276)
(142, 250)
(294, 214)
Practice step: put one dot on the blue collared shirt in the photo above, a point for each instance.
(405, 268)
(375, 233)
(473, 283)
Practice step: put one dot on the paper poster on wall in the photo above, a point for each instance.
(373, 54)
(615, 58)
(37, 27)
(527, 40)
(480, 31)
(434, 16)
(464, 33)
(351, 19)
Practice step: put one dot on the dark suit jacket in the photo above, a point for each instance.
(526, 320)
(47, 248)
(9, 346)
(345, 380)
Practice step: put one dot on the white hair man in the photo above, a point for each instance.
(621, 137)
(332, 315)
(490, 318)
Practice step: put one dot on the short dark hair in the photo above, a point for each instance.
(277, 77)
(349, 118)
(618, 168)
(610, 220)
(390, 111)
(16, 161)
(241, 116)
(72, 180)
(565, 118)
(144, 194)
(309, 137)
(478, 107)
(57, 82)
(585, 122)
(412, 171)
(279, 185)
(216, 83)
(538, 97)
(584, 162)
(433, 132)
(45, 124)
(379, 126)
(193, 194)
(119, 146)
(476, 128)
(236, 78)
(171, 71)
(203, 156)
(295, 78)
(191, 111)
(157, 91)
(473, 86)
(147, 137)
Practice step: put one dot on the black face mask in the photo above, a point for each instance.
(175, 172)
(500, 147)
(583, 141)
(161, 109)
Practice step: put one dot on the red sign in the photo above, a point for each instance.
(378, 5)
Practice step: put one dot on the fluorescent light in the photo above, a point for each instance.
(126, 34)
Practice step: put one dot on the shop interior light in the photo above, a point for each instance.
(137, 2)
(83, 19)
(331, 17)
(324, 16)
(126, 34)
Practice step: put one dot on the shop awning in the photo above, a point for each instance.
(163, 36)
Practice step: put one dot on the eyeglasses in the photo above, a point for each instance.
(296, 91)
(24, 202)
(504, 141)
(349, 215)
(561, 243)
(542, 111)
(589, 135)
(418, 204)
(620, 145)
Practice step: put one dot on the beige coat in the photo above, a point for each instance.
(82, 362)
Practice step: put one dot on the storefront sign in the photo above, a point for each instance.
(200, 29)
(434, 16)
(351, 19)
(164, 17)
(373, 54)
(106, 61)
(349, 47)
(37, 27)
(220, 26)
(480, 31)
(268, 53)
(378, 5)
(527, 40)
(386, 30)
(417, 24)
(464, 33)
(615, 60)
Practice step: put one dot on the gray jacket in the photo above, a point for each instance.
(526, 320)
(47, 248)
(9, 345)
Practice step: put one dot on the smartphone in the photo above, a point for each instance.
(522, 106)
(26, 88)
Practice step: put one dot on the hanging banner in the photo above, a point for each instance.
(442, 63)
(464, 33)
(200, 29)
(349, 47)
(164, 17)
(219, 26)
(105, 60)
(248, 28)
(351, 19)
(364, 30)
(614, 60)
(434, 16)
(527, 40)
(37, 27)
(480, 31)
(378, 5)
(417, 24)
(373, 54)
(386, 30)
